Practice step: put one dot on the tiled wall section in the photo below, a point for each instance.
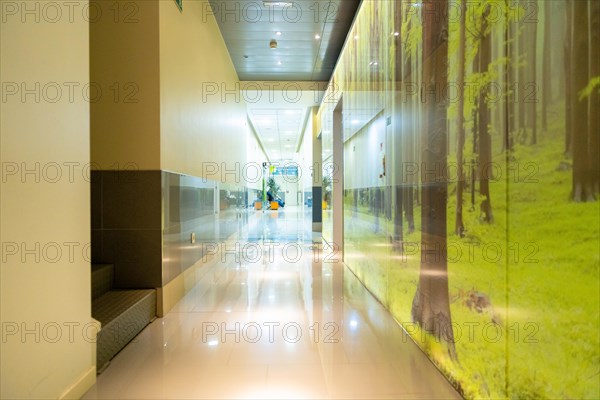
(188, 207)
(143, 221)
(202, 207)
(126, 225)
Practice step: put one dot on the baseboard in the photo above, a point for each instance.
(82, 385)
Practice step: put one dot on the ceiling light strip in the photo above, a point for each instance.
(307, 113)
(277, 3)
(260, 143)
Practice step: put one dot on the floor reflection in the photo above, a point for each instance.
(274, 319)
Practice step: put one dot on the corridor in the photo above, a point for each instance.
(272, 317)
(447, 150)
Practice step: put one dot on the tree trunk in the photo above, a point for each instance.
(459, 227)
(475, 136)
(431, 306)
(410, 216)
(398, 129)
(398, 222)
(410, 128)
(510, 98)
(474, 130)
(485, 139)
(559, 25)
(579, 133)
(546, 70)
(594, 138)
(568, 77)
(533, 69)
(508, 81)
(522, 79)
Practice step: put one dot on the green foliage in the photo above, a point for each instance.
(327, 188)
(326, 183)
(476, 81)
(272, 186)
(587, 91)
(412, 32)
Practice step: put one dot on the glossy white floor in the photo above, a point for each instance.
(277, 322)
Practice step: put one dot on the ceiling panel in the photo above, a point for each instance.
(279, 124)
(248, 26)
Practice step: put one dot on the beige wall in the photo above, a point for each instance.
(170, 69)
(148, 113)
(125, 119)
(198, 125)
(169, 58)
(47, 213)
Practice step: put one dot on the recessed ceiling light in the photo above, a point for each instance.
(317, 36)
(278, 33)
(278, 62)
(396, 33)
(355, 121)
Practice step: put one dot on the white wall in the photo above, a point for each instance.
(289, 186)
(46, 291)
(362, 156)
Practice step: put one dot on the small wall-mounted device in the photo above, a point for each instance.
(193, 237)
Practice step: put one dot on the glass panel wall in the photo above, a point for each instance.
(471, 173)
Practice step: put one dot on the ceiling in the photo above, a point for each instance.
(277, 121)
(279, 130)
(309, 34)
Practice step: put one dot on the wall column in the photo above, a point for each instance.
(317, 174)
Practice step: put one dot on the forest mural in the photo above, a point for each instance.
(471, 182)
